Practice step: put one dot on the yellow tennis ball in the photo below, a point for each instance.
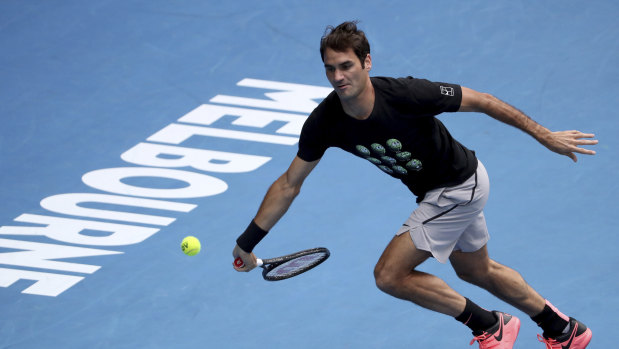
(190, 245)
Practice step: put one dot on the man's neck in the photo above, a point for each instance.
(361, 107)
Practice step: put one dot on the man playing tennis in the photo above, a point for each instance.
(391, 123)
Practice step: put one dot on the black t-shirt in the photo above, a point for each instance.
(401, 136)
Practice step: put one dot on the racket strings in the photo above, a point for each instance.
(297, 265)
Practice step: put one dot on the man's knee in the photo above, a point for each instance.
(392, 280)
(478, 275)
(397, 263)
(381, 277)
(386, 280)
(470, 276)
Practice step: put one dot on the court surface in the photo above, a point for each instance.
(92, 220)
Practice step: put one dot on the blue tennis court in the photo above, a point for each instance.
(91, 218)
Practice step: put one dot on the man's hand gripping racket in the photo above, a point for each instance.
(285, 267)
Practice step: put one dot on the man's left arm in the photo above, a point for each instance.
(562, 142)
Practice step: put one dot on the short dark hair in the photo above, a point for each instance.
(343, 37)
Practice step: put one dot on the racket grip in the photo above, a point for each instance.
(238, 262)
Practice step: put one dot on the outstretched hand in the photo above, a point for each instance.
(568, 143)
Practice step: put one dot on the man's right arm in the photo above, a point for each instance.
(276, 202)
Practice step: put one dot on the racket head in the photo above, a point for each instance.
(285, 267)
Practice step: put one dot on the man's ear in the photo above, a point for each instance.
(368, 62)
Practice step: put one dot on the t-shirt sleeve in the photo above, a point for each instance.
(312, 142)
(433, 97)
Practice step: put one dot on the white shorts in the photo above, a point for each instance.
(451, 218)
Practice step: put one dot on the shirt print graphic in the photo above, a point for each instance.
(390, 158)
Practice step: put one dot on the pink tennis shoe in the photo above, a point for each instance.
(500, 336)
(578, 338)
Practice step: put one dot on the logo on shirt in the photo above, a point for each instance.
(390, 158)
(447, 91)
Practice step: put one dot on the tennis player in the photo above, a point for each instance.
(391, 123)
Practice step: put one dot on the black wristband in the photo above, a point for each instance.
(251, 237)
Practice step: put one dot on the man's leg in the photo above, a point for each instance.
(395, 274)
(505, 283)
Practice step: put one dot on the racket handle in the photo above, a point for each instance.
(238, 262)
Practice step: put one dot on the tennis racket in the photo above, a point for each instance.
(284, 267)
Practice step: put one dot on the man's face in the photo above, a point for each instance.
(344, 72)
